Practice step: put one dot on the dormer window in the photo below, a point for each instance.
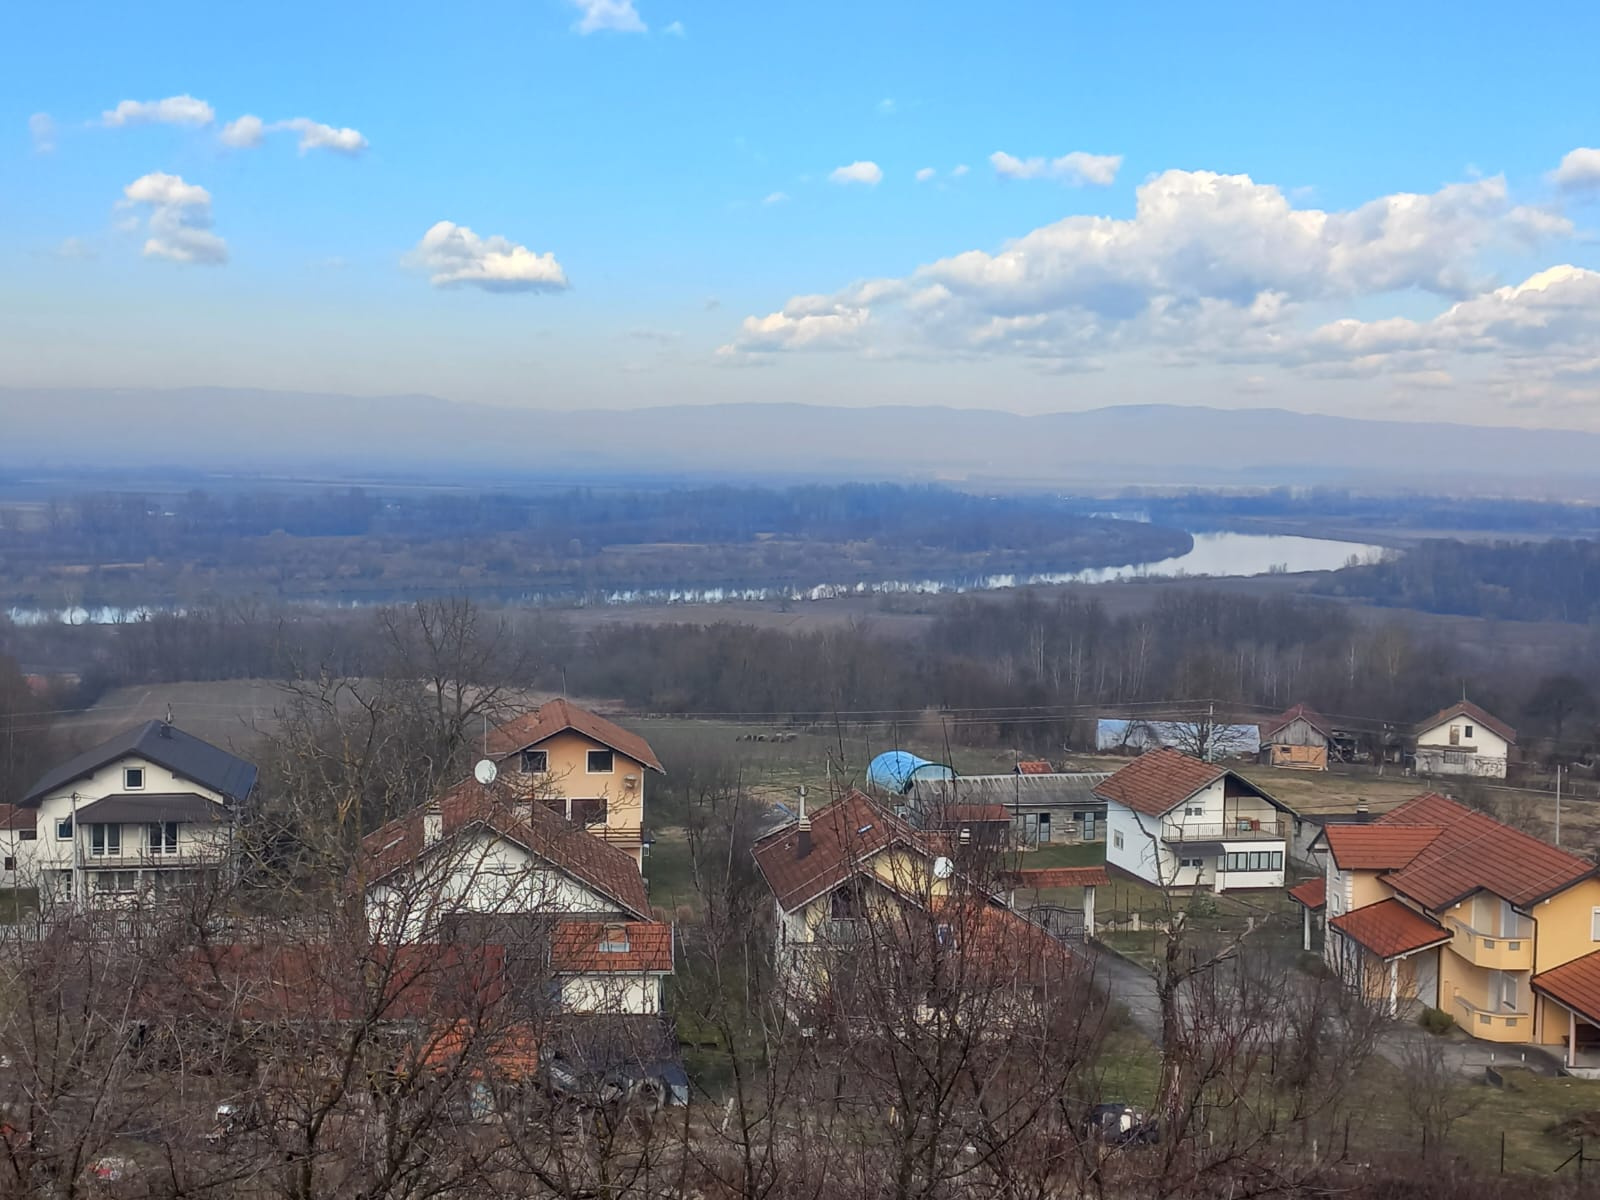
(133, 779)
(614, 940)
(534, 762)
(601, 762)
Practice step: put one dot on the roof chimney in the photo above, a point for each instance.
(802, 845)
(432, 824)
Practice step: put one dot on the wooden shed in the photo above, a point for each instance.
(1299, 739)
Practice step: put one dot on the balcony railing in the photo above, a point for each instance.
(1240, 830)
(1501, 1025)
(189, 856)
(1494, 952)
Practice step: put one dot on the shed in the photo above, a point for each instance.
(1059, 807)
(1300, 739)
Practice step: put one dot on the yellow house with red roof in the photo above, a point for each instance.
(1437, 904)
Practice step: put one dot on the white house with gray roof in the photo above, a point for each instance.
(143, 813)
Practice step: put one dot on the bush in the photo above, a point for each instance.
(1436, 1022)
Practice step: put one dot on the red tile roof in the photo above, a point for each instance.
(559, 715)
(1037, 766)
(1377, 847)
(1060, 877)
(1313, 893)
(1466, 708)
(601, 867)
(1575, 984)
(843, 836)
(1389, 928)
(1473, 852)
(1298, 713)
(14, 817)
(993, 944)
(1158, 781)
(575, 947)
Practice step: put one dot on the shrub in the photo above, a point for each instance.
(1436, 1022)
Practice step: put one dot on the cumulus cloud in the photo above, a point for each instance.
(868, 173)
(775, 198)
(615, 16)
(42, 128)
(174, 110)
(926, 174)
(1076, 168)
(246, 132)
(1209, 267)
(960, 170)
(456, 257)
(675, 29)
(178, 225)
(1579, 170)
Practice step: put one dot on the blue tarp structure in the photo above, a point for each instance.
(894, 771)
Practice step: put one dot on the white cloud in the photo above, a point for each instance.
(616, 16)
(675, 29)
(1076, 168)
(316, 136)
(775, 198)
(75, 249)
(857, 172)
(1579, 170)
(886, 107)
(244, 133)
(926, 174)
(42, 128)
(1209, 268)
(174, 110)
(456, 256)
(960, 170)
(179, 224)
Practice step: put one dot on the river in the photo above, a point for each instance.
(1214, 554)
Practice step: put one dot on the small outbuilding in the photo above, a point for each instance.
(1299, 739)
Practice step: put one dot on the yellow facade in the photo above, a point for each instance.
(567, 777)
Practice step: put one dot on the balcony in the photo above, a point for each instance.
(135, 859)
(1494, 1025)
(1493, 952)
(1240, 830)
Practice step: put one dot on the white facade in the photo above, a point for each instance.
(1210, 840)
(109, 862)
(1462, 746)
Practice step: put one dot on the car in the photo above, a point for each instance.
(1121, 1124)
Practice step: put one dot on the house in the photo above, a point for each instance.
(1435, 904)
(1219, 739)
(581, 766)
(1175, 821)
(147, 811)
(1043, 807)
(19, 835)
(490, 865)
(986, 825)
(854, 885)
(1464, 739)
(1299, 739)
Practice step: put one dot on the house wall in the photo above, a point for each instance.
(636, 994)
(1298, 732)
(1564, 926)
(1133, 845)
(484, 874)
(1489, 755)
(569, 776)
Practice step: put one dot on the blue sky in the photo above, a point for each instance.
(1365, 211)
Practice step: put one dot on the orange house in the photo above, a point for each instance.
(1437, 904)
(582, 766)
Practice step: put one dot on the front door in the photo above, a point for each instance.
(1044, 828)
(1088, 826)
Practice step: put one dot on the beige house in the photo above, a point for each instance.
(581, 767)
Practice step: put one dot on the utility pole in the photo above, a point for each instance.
(1558, 804)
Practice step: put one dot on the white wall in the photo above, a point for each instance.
(1490, 750)
(1141, 853)
(637, 994)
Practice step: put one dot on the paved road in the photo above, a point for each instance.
(1132, 987)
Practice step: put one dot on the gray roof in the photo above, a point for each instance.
(185, 755)
(132, 808)
(1076, 788)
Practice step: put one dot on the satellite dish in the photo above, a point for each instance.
(485, 772)
(943, 868)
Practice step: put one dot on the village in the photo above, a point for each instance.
(522, 975)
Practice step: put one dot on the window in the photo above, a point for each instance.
(1194, 810)
(1594, 925)
(1466, 731)
(105, 839)
(1455, 735)
(534, 762)
(1195, 863)
(1255, 860)
(27, 835)
(116, 881)
(11, 863)
(589, 812)
(1116, 840)
(614, 940)
(64, 833)
(133, 779)
(163, 837)
(600, 762)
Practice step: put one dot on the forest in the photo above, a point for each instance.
(124, 549)
(1555, 580)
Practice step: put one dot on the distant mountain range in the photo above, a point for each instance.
(225, 430)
